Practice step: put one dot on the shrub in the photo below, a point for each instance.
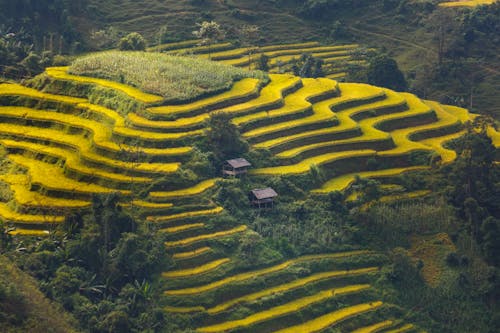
(132, 42)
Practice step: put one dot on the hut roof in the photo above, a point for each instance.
(264, 193)
(238, 163)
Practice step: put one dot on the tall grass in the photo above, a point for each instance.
(173, 77)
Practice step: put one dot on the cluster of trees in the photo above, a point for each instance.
(103, 268)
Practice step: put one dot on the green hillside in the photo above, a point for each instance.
(77, 169)
(369, 129)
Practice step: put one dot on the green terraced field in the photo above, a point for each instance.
(70, 149)
(280, 56)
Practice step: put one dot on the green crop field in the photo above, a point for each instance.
(64, 149)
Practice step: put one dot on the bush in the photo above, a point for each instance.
(132, 42)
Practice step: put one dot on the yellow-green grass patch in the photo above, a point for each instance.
(295, 103)
(284, 309)
(20, 184)
(240, 89)
(191, 254)
(61, 73)
(343, 182)
(10, 216)
(72, 161)
(375, 327)
(151, 205)
(325, 321)
(265, 271)
(299, 283)
(185, 215)
(51, 177)
(202, 269)
(84, 148)
(186, 192)
(199, 238)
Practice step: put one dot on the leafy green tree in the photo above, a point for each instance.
(223, 137)
(248, 37)
(209, 33)
(308, 66)
(384, 71)
(132, 42)
(490, 230)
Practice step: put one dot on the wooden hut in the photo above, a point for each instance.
(235, 167)
(263, 198)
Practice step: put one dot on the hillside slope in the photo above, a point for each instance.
(24, 308)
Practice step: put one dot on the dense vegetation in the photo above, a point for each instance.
(110, 196)
(171, 77)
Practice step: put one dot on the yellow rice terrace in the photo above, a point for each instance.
(125, 141)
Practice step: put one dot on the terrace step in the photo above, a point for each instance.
(31, 202)
(84, 148)
(72, 164)
(61, 73)
(260, 272)
(404, 328)
(185, 215)
(328, 320)
(281, 288)
(203, 237)
(186, 192)
(99, 134)
(78, 107)
(341, 183)
(375, 327)
(284, 309)
(51, 180)
(241, 91)
(29, 221)
(199, 270)
(296, 105)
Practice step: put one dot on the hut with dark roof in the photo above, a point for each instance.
(235, 167)
(262, 198)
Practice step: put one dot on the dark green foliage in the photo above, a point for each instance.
(263, 63)
(104, 270)
(383, 71)
(132, 42)
(12, 304)
(307, 66)
(223, 138)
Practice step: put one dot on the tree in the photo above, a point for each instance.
(383, 71)
(223, 137)
(132, 42)
(308, 66)
(209, 33)
(248, 37)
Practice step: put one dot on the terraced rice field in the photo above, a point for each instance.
(466, 3)
(336, 58)
(74, 149)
